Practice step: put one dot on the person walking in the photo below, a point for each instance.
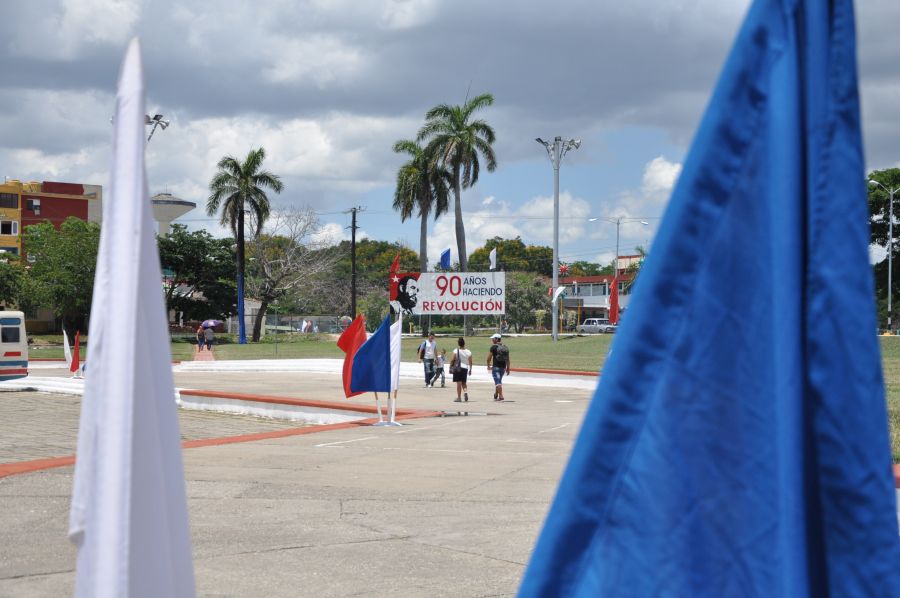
(460, 366)
(498, 364)
(210, 335)
(427, 353)
(200, 338)
(439, 362)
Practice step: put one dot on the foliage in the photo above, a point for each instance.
(879, 210)
(287, 260)
(583, 268)
(422, 186)
(375, 307)
(513, 255)
(12, 276)
(455, 141)
(64, 264)
(202, 269)
(373, 260)
(525, 293)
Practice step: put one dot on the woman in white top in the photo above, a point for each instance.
(462, 357)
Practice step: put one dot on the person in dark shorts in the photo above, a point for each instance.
(460, 366)
(210, 336)
(498, 364)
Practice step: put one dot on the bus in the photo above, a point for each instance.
(13, 346)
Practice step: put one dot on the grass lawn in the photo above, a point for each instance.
(571, 353)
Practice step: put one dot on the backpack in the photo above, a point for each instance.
(420, 353)
(502, 353)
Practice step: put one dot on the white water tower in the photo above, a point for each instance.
(167, 207)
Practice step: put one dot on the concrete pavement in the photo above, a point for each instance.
(445, 506)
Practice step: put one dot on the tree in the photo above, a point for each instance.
(514, 255)
(12, 275)
(879, 212)
(235, 186)
(455, 141)
(525, 295)
(583, 268)
(286, 258)
(373, 260)
(64, 264)
(421, 186)
(199, 273)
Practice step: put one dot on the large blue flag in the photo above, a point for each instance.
(372, 364)
(737, 444)
(445, 259)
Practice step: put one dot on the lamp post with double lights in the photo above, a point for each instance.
(618, 222)
(556, 149)
(157, 121)
(890, 244)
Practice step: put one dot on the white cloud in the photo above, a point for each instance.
(538, 212)
(329, 234)
(659, 178)
(76, 24)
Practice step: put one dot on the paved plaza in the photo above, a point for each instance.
(446, 506)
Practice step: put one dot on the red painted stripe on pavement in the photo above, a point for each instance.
(287, 401)
(9, 469)
(548, 371)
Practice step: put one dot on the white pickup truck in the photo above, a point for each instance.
(596, 325)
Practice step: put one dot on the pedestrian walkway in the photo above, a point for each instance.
(456, 501)
(206, 355)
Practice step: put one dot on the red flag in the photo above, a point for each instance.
(614, 302)
(395, 265)
(350, 341)
(74, 367)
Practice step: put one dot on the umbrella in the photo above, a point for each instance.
(211, 323)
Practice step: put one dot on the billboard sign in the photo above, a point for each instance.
(448, 293)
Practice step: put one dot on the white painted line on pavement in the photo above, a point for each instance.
(556, 428)
(345, 441)
(419, 428)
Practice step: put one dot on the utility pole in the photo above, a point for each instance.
(353, 227)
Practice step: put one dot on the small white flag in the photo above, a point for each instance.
(494, 258)
(67, 350)
(129, 510)
(559, 291)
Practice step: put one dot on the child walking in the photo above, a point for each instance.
(439, 361)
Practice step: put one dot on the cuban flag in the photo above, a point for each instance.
(445, 259)
(376, 364)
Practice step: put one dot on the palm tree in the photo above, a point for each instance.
(422, 186)
(456, 141)
(235, 187)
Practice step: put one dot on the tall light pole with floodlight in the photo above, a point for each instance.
(890, 244)
(556, 149)
(157, 121)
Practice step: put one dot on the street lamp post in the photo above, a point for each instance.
(556, 150)
(157, 121)
(890, 244)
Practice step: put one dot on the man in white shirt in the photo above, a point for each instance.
(427, 353)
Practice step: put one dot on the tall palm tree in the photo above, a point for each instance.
(235, 187)
(456, 141)
(421, 186)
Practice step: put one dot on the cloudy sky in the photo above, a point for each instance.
(327, 86)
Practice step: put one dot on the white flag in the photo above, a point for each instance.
(396, 332)
(129, 511)
(559, 291)
(494, 258)
(67, 351)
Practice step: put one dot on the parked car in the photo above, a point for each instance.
(596, 326)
